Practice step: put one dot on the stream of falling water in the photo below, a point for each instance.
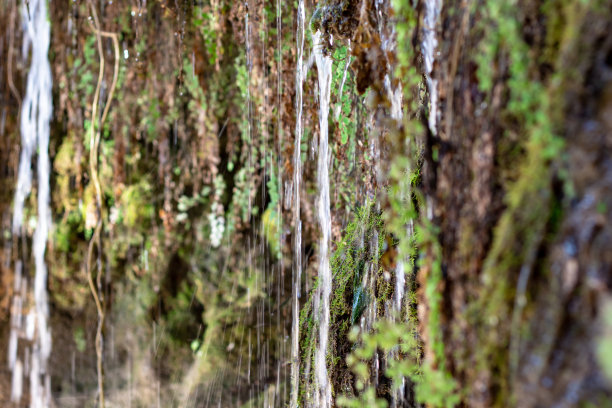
(35, 117)
(321, 305)
(430, 43)
(297, 223)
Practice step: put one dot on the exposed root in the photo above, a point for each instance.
(96, 240)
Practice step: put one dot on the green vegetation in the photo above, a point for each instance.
(356, 273)
(491, 203)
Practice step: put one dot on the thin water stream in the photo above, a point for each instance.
(324, 68)
(297, 223)
(36, 113)
(429, 46)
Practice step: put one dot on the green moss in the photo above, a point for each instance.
(79, 339)
(271, 230)
(136, 205)
(384, 289)
(271, 219)
(357, 253)
(349, 262)
(68, 230)
(64, 167)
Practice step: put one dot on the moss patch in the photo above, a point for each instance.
(358, 282)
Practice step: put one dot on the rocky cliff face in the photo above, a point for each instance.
(470, 197)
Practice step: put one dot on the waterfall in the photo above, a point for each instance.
(249, 65)
(430, 43)
(321, 305)
(297, 223)
(35, 117)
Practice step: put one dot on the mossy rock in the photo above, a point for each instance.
(357, 255)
